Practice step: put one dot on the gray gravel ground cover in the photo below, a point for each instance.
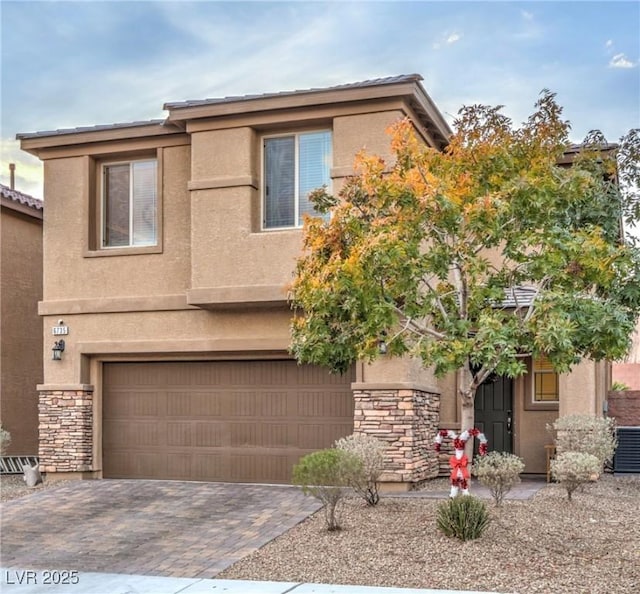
(545, 544)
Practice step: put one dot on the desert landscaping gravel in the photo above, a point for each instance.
(546, 544)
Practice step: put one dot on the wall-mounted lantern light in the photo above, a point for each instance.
(58, 348)
(382, 343)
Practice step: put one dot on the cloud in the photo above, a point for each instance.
(526, 15)
(609, 43)
(621, 61)
(28, 174)
(450, 39)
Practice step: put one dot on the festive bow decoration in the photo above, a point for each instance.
(459, 462)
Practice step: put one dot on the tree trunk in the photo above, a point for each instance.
(467, 396)
(467, 420)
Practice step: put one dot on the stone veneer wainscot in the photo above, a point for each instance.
(407, 420)
(66, 429)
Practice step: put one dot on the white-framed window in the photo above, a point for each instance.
(545, 381)
(294, 165)
(130, 203)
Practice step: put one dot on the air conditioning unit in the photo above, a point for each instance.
(627, 456)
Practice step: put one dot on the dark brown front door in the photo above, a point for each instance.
(236, 421)
(494, 413)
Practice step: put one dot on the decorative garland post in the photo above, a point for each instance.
(459, 462)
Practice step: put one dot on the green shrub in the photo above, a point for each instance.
(463, 516)
(370, 451)
(326, 475)
(499, 472)
(572, 469)
(619, 387)
(586, 434)
(5, 440)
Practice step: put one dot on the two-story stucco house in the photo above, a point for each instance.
(168, 246)
(20, 325)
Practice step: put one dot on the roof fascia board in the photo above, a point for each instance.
(103, 147)
(296, 116)
(33, 144)
(306, 100)
(432, 111)
(25, 209)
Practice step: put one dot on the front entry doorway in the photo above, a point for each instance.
(494, 412)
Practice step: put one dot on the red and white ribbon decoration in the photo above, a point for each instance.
(459, 462)
(459, 441)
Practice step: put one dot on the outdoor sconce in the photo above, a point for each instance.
(58, 348)
(382, 343)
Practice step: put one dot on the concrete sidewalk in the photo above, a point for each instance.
(17, 581)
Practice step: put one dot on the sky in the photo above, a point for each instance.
(68, 64)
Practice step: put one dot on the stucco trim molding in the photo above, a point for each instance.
(64, 387)
(364, 386)
(186, 346)
(240, 296)
(224, 182)
(113, 305)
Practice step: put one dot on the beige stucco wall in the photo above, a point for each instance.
(583, 390)
(69, 273)
(21, 328)
(168, 334)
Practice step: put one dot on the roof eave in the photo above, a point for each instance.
(25, 209)
(33, 143)
(412, 90)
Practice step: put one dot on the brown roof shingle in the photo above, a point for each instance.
(20, 198)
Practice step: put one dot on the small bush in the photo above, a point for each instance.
(572, 469)
(463, 516)
(619, 387)
(5, 440)
(370, 452)
(586, 434)
(325, 475)
(499, 472)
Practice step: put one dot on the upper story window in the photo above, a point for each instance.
(129, 204)
(545, 381)
(294, 165)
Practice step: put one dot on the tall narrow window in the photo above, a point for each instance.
(294, 166)
(545, 381)
(130, 204)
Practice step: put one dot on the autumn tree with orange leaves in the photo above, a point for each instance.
(407, 252)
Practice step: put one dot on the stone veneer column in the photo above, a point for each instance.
(66, 430)
(407, 420)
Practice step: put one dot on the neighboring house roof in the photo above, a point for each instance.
(518, 297)
(21, 202)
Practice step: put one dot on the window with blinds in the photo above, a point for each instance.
(294, 165)
(545, 381)
(129, 204)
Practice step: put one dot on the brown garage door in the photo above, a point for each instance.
(237, 421)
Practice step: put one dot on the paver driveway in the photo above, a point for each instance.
(164, 528)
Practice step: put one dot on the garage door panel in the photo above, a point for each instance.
(246, 421)
(119, 434)
(315, 436)
(212, 434)
(210, 467)
(179, 466)
(323, 404)
(180, 434)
